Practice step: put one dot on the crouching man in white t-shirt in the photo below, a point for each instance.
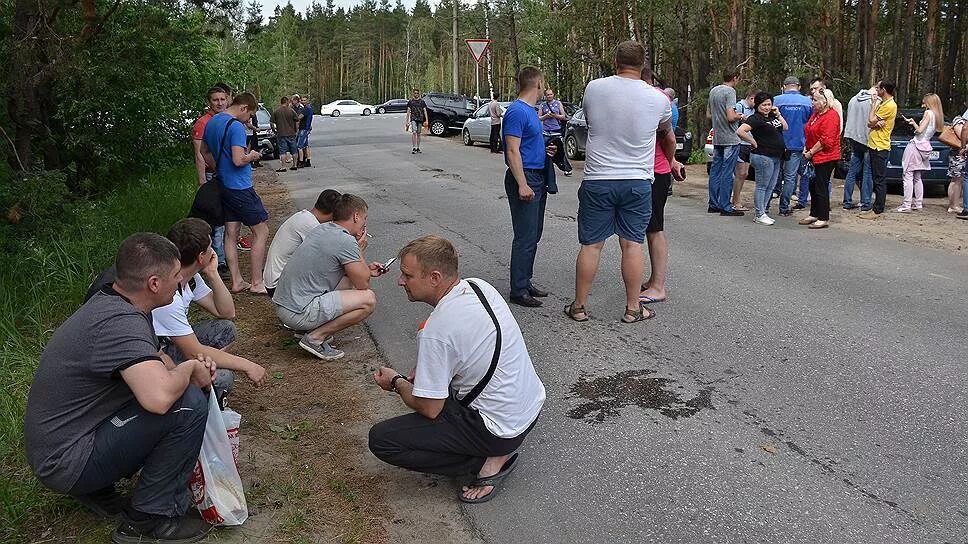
(474, 390)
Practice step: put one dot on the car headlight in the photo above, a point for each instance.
(688, 135)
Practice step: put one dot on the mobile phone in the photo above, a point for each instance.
(386, 265)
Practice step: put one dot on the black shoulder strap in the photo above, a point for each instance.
(469, 397)
(221, 143)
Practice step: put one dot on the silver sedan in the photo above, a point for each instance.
(477, 127)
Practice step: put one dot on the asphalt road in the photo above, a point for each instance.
(796, 387)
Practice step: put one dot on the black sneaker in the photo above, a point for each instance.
(106, 503)
(713, 210)
(525, 300)
(787, 213)
(162, 530)
(732, 213)
(413, 151)
(963, 214)
(309, 163)
(418, 150)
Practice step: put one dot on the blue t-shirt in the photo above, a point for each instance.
(675, 115)
(521, 120)
(796, 109)
(233, 177)
(307, 120)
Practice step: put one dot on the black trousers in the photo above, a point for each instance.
(820, 190)
(879, 177)
(454, 444)
(495, 138)
(164, 447)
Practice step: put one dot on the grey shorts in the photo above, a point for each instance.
(415, 126)
(322, 309)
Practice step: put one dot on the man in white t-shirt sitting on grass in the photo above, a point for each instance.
(292, 232)
(202, 285)
(474, 390)
(325, 286)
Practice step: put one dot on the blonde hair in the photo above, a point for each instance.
(933, 102)
(826, 95)
(433, 253)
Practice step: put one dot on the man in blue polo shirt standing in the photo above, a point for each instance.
(224, 146)
(796, 109)
(525, 183)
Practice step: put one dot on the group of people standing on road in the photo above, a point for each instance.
(793, 142)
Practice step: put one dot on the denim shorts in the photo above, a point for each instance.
(243, 205)
(607, 207)
(287, 144)
(302, 139)
(415, 126)
(322, 309)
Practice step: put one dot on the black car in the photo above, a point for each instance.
(576, 137)
(447, 112)
(394, 105)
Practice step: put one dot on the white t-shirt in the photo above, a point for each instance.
(454, 350)
(172, 320)
(622, 115)
(291, 233)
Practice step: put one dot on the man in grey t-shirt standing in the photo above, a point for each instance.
(105, 403)
(722, 102)
(325, 286)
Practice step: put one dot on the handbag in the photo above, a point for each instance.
(951, 135)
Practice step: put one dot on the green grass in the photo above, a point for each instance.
(42, 283)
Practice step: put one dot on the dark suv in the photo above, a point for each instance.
(447, 112)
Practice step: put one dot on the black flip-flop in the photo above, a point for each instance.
(493, 481)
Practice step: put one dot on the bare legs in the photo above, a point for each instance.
(586, 267)
(655, 286)
(260, 237)
(357, 306)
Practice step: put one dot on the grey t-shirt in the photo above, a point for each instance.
(78, 384)
(316, 267)
(723, 98)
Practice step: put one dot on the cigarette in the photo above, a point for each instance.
(369, 235)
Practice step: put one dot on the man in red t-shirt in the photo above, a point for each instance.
(217, 100)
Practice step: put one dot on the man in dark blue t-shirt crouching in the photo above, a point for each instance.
(525, 182)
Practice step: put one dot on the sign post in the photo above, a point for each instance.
(477, 49)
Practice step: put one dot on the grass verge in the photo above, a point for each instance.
(40, 285)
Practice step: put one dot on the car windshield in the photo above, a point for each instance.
(262, 117)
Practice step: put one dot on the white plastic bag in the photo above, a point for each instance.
(216, 484)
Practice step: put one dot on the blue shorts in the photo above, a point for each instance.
(607, 207)
(243, 205)
(287, 144)
(302, 139)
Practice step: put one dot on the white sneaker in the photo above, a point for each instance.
(903, 209)
(764, 220)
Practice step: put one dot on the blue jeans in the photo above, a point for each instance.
(767, 170)
(860, 163)
(790, 167)
(964, 192)
(218, 243)
(527, 223)
(721, 175)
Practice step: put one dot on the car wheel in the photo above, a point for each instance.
(571, 147)
(335, 113)
(438, 127)
(381, 111)
(467, 137)
(366, 112)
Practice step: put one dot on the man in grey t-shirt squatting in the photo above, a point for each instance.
(325, 286)
(105, 403)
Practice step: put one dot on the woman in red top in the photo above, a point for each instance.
(823, 150)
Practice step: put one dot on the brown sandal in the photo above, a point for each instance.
(642, 314)
(571, 310)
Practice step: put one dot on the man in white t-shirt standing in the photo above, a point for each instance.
(292, 232)
(474, 390)
(616, 193)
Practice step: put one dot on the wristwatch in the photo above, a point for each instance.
(393, 382)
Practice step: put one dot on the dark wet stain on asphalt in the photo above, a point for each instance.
(607, 395)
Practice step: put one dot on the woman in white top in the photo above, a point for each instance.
(918, 151)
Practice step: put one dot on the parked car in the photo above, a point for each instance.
(900, 136)
(576, 137)
(394, 105)
(477, 127)
(447, 112)
(349, 107)
(265, 136)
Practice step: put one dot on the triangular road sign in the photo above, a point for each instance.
(477, 48)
